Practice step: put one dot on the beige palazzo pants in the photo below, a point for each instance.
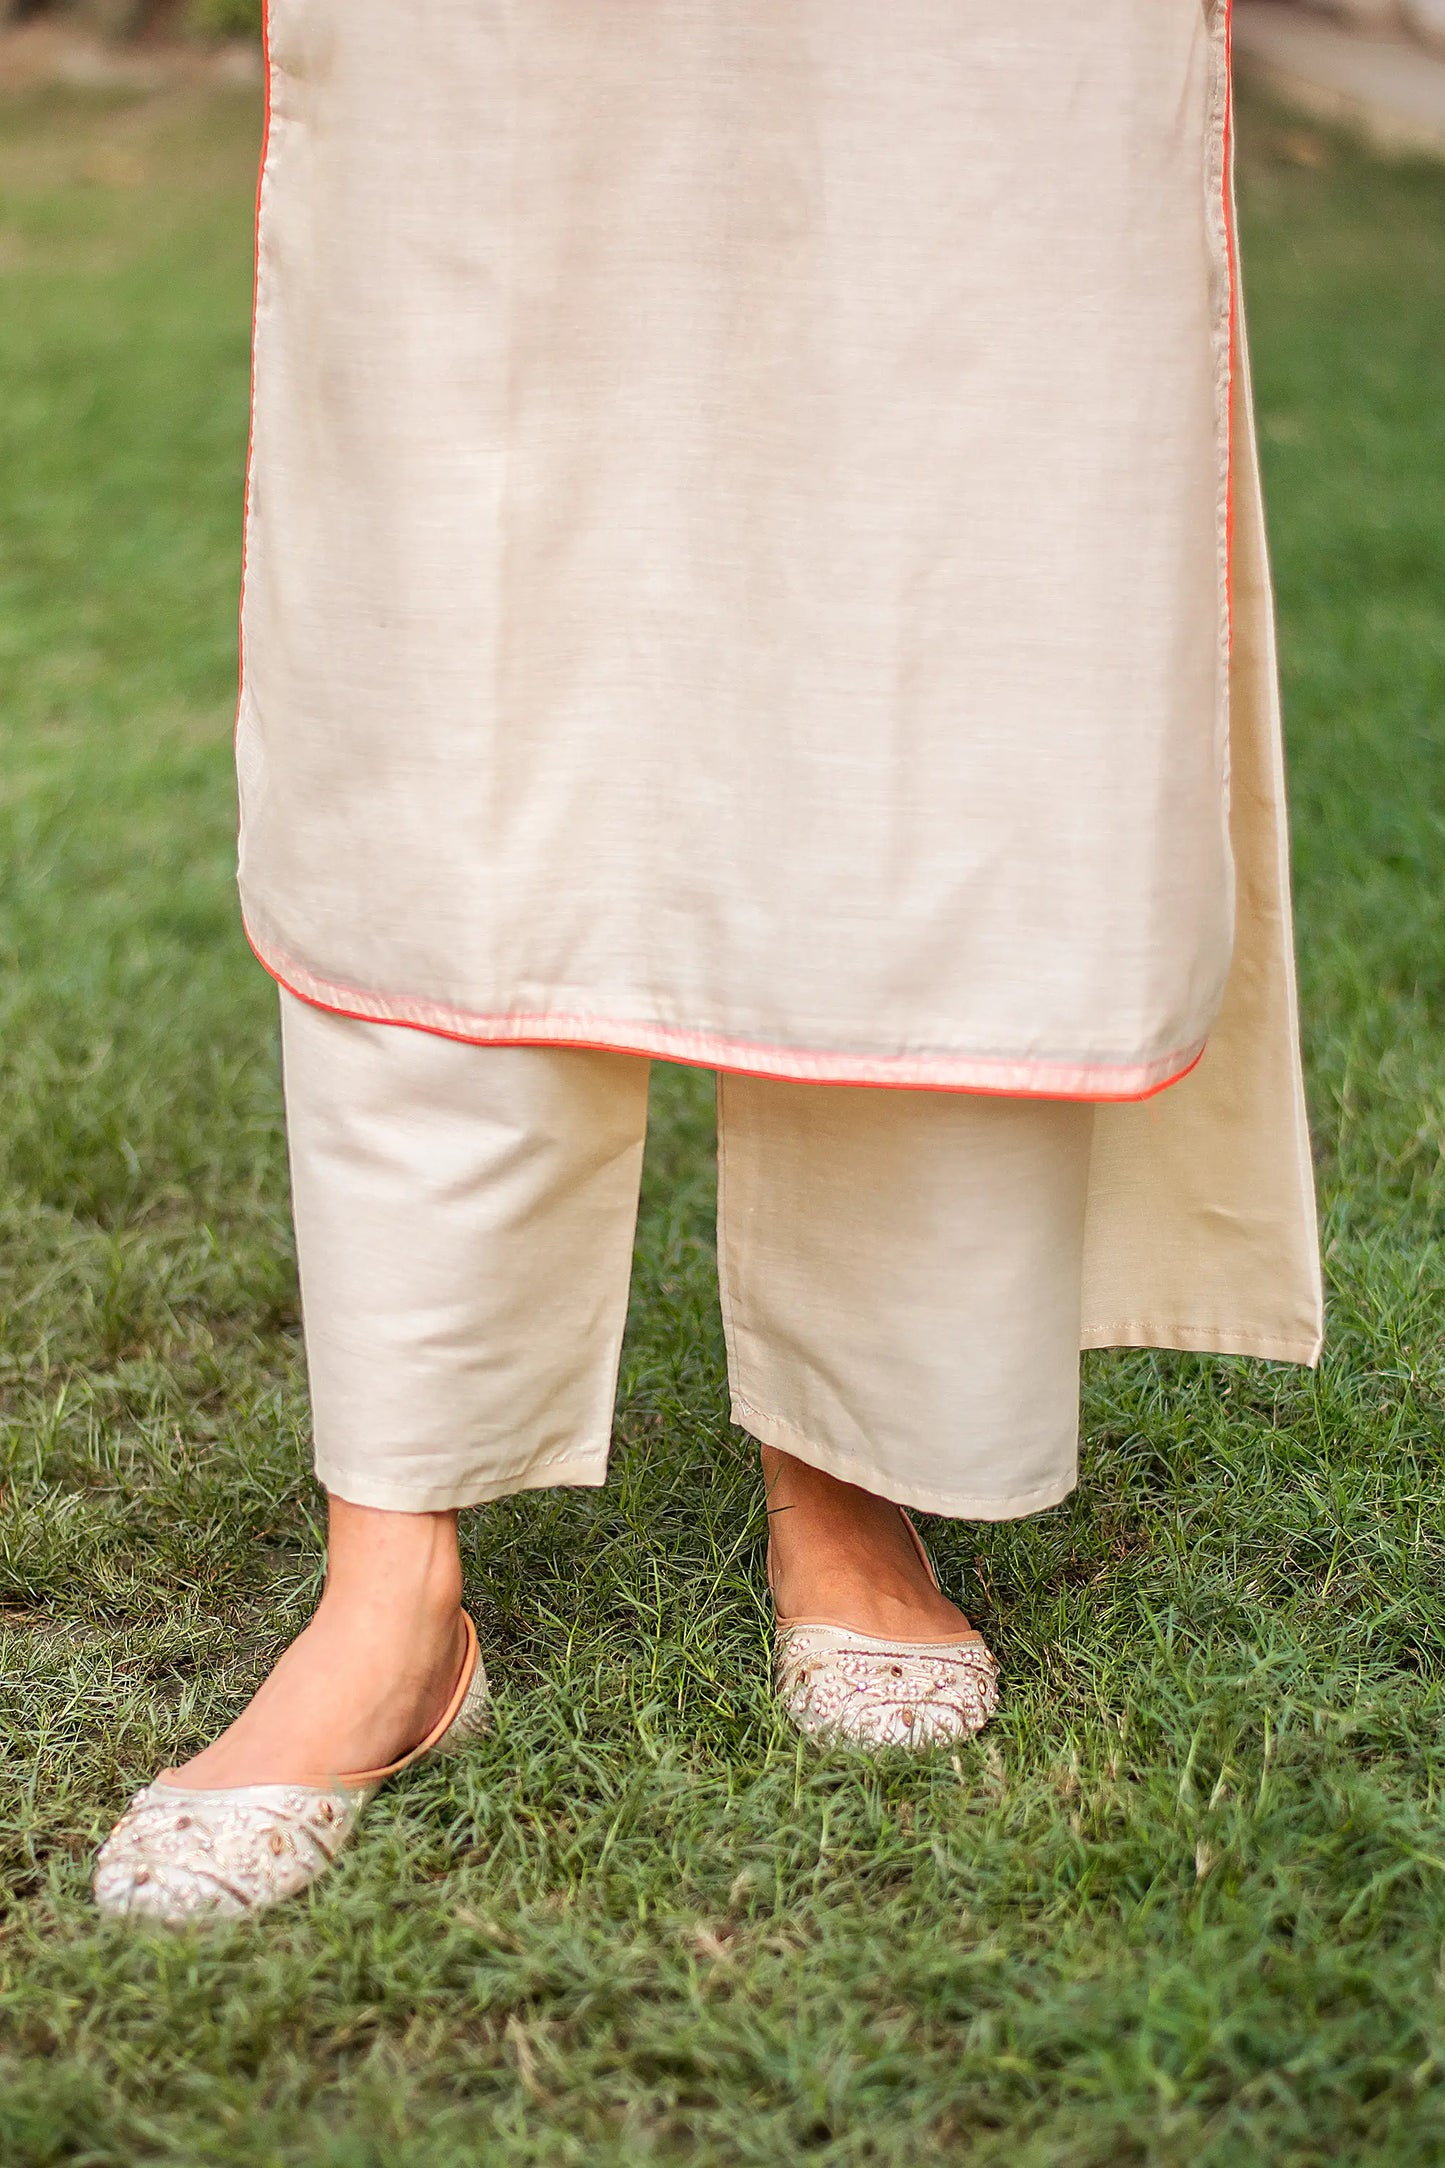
(901, 1271)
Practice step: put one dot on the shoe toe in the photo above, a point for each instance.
(190, 1856)
(932, 1720)
(843, 1685)
(162, 1890)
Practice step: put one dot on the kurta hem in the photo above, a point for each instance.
(1007, 1076)
(849, 1468)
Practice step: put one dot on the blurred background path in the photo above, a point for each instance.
(1376, 65)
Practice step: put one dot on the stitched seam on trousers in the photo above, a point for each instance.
(465, 1498)
(969, 1506)
(589, 1457)
(1200, 1340)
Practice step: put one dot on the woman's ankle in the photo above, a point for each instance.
(397, 1566)
(367, 1677)
(844, 1555)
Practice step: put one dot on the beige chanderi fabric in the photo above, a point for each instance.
(738, 567)
(900, 1271)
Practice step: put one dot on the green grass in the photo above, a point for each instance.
(1185, 1904)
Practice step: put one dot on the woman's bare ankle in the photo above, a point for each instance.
(398, 1567)
(842, 1555)
(366, 1679)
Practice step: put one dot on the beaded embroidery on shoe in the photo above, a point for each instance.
(179, 1854)
(833, 1681)
(182, 1852)
(881, 1693)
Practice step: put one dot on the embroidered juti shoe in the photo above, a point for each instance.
(183, 1852)
(836, 1682)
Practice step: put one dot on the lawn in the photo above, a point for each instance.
(1186, 1901)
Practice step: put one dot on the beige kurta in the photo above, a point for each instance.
(739, 566)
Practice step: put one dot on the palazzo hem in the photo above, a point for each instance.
(571, 1471)
(1004, 1076)
(1305, 1348)
(773, 1430)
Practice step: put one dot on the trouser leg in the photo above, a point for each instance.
(901, 1279)
(464, 1228)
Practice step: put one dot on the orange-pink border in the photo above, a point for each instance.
(984, 1074)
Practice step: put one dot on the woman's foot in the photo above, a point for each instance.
(370, 1675)
(840, 1556)
(868, 1648)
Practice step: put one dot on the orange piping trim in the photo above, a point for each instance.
(692, 1049)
